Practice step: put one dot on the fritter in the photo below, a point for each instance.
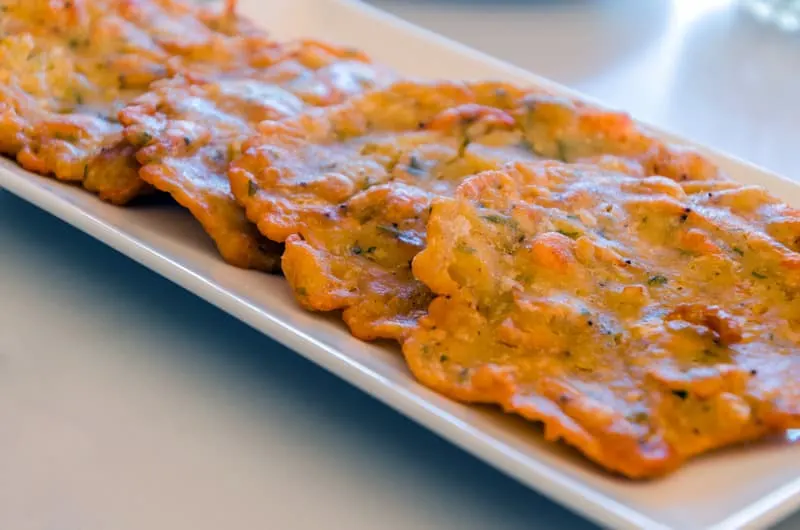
(640, 324)
(348, 188)
(66, 68)
(188, 131)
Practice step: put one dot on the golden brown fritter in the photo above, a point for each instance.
(572, 131)
(67, 67)
(348, 190)
(640, 324)
(188, 131)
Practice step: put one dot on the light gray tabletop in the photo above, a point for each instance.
(126, 403)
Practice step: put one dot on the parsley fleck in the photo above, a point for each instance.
(738, 251)
(562, 150)
(415, 166)
(144, 138)
(571, 235)
(403, 237)
(682, 394)
(497, 219)
(759, 275)
(657, 280)
(466, 249)
(252, 189)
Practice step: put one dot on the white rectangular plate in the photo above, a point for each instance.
(752, 486)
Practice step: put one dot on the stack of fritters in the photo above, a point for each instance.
(526, 250)
(189, 83)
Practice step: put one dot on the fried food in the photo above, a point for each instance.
(187, 131)
(348, 189)
(66, 68)
(639, 323)
(563, 129)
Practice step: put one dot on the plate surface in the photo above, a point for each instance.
(708, 493)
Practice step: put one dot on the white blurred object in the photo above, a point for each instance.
(783, 13)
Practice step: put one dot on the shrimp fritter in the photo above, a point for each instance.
(639, 323)
(187, 131)
(66, 68)
(348, 188)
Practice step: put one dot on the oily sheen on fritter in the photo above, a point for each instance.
(187, 131)
(640, 321)
(348, 188)
(66, 68)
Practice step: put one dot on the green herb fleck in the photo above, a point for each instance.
(415, 166)
(497, 219)
(144, 138)
(562, 147)
(356, 250)
(466, 249)
(709, 353)
(252, 189)
(443, 358)
(403, 237)
(682, 394)
(759, 275)
(571, 235)
(462, 147)
(738, 251)
(302, 291)
(657, 280)
(66, 137)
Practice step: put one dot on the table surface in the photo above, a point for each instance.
(127, 403)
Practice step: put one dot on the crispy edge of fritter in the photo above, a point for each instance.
(161, 147)
(308, 265)
(566, 413)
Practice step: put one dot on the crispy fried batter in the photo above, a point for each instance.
(298, 180)
(348, 189)
(573, 131)
(188, 131)
(66, 68)
(640, 324)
